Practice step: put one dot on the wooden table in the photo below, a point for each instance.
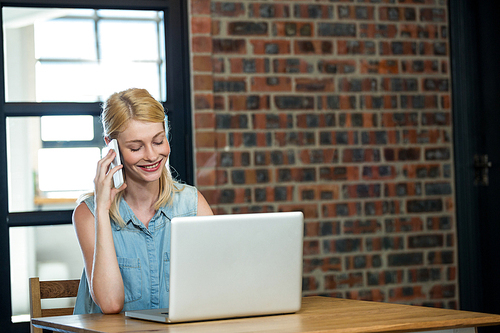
(318, 314)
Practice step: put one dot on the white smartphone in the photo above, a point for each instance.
(118, 176)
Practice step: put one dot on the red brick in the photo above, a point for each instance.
(310, 283)
(215, 28)
(384, 66)
(337, 66)
(362, 227)
(212, 197)
(322, 11)
(313, 47)
(245, 102)
(406, 294)
(291, 65)
(446, 102)
(203, 101)
(292, 28)
(221, 177)
(271, 84)
(235, 11)
(351, 12)
(411, 189)
(343, 281)
(202, 63)
(373, 30)
(264, 46)
(373, 172)
(374, 295)
(237, 65)
(330, 210)
(260, 120)
(219, 102)
(314, 85)
(433, 14)
(205, 139)
(206, 159)
(407, 48)
(217, 65)
(420, 66)
(272, 10)
(201, 25)
(201, 44)
(451, 273)
(200, 7)
(349, 173)
(310, 211)
(398, 13)
(204, 120)
(210, 140)
(442, 291)
(328, 264)
(314, 156)
(229, 46)
(430, 31)
(355, 47)
(203, 82)
(206, 177)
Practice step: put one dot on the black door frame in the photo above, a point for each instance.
(465, 99)
(178, 105)
(473, 30)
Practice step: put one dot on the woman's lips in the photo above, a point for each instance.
(151, 167)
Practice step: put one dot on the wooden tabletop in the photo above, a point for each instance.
(318, 314)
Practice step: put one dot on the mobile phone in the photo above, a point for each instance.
(117, 176)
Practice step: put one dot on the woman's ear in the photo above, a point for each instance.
(107, 140)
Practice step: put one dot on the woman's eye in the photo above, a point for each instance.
(159, 143)
(135, 149)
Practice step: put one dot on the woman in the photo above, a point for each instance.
(124, 233)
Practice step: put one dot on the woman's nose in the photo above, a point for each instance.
(151, 154)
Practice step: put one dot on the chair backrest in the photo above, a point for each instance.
(50, 289)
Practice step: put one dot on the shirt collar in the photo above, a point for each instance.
(128, 215)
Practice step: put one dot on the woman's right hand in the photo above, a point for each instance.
(104, 188)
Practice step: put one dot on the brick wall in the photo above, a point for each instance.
(340, 109)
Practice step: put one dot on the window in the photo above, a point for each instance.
(79, 55)
(82, 55)
(59, 65)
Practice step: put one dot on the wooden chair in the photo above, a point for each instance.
(50, 289)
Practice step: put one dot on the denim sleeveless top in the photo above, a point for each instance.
(143, 254)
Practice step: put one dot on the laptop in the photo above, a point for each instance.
(228, 266)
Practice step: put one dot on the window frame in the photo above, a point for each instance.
(177, 84)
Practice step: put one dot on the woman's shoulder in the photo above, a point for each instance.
(181, 186)
(183, 191)
(185, 199)
(83, 212)
(87, 201)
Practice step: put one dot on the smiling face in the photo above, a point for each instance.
(144, 149)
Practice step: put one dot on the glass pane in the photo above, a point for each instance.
(67, 128)
(113, 77)
(127, 13)
(49, 252)
(65, 39)
(128, 40)
(41, 178)
(61, 82)
(67, 169)
(51, 55)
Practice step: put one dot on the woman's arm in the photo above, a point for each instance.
(96, 242)
(203, 206)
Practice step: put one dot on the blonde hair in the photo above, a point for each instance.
(119, 108)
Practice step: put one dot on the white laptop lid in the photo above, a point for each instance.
(225, 266)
